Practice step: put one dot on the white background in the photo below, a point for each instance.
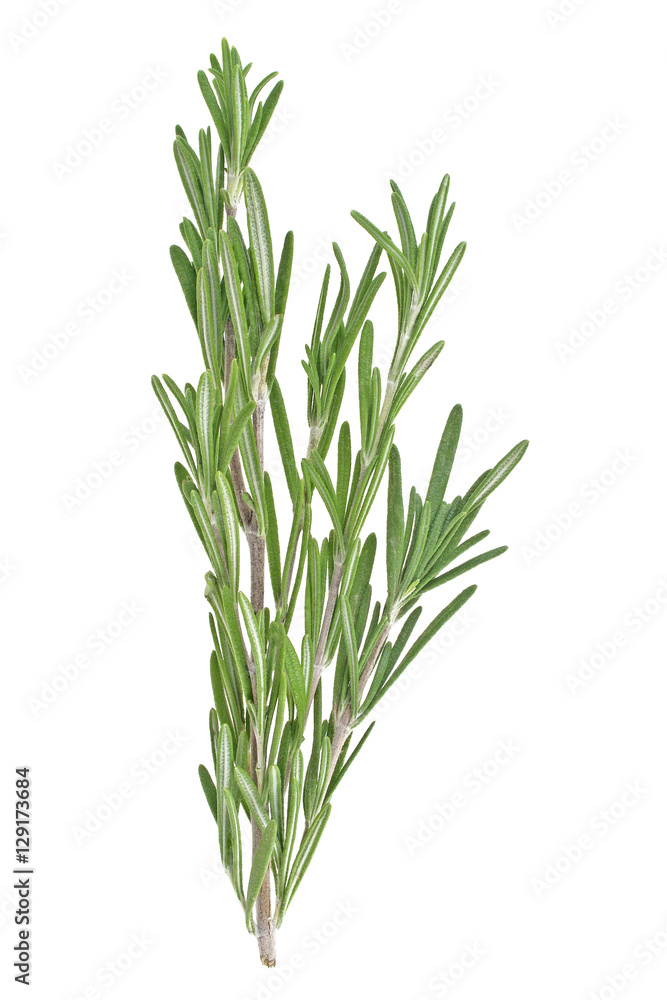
(519, 95)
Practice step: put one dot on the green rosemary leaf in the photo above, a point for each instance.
(440, 287)
(272, 540)
(260, 243)
(333, 409)
(259, 868)
(395, 525)
(193, 241)
(444, 458)
(206, 533)
(284, 438)
(426, 636)
(405, 227)
(463, 568)
(497, 474)
(230, 441)
(250, 796)
(206, 400)
(236, 861)
(214, 108)
(411, 380)
(217, 684)
(187, 276)
(257, 651)
(350, 641)
(170, 413)
(236, 308)
(340, 773)
(223, 780)
(208, 180)
(364, 378)
(294, 672)
(228, 525)
(318, 473)
(293, 806)
(208, 785)
(305, 854)
(267, 110)
(343, 469)
(276, 800)
(213, 730)
(209, 307)
(188, 168)
(387, 244)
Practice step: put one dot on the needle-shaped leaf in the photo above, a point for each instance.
(441, 285)
(463, 568)
(497, 474)
(260, 243)
(444, 458)
(257, 652)
(295, 676)
(236, 863)
(305, 853)
(272, 540)
(214, 108)
(387, 244)
(284, 438)
(251, 797)
(236, 307)
(317, 471)
(170, 413)
(426, 637)
(208, 785)
(340, 773)
(188, 168)
(259, 868)
(187, 276)
(224, 774)
(395, 525)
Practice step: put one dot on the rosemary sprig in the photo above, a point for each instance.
(267, 682)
